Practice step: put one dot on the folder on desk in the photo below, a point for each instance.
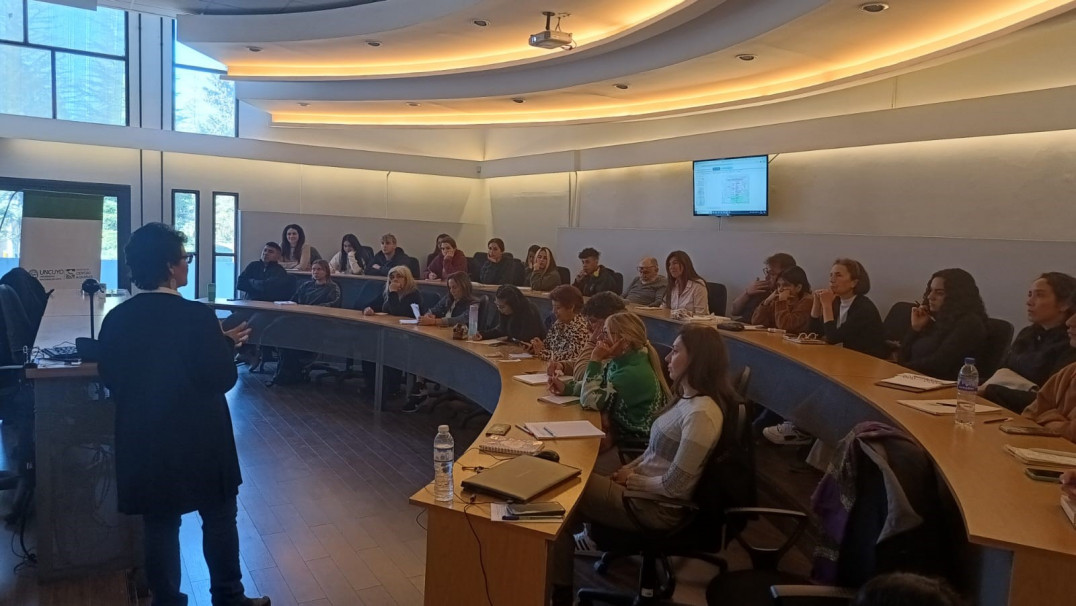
(564, 429)
(537, 378)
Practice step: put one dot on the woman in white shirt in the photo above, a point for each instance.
(687, 290)
(350, 258)
(682, 438)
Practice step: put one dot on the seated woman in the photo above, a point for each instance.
(399, 295)
(519, 319)
(319, 291)
(789, 306)
(683, 436)
(949, 326)
(843, 314)
(1039, 350)
(351, 259)
(569, 334)
(686, 289)
(498, 266)
(624, 379)
(295, 253)
(454, 307)
(531, 251)
(594, 311)
(543, 275)
(431, 257)
(450, 261)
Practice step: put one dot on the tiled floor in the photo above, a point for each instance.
(324, 519)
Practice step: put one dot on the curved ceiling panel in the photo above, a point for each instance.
(687, 59)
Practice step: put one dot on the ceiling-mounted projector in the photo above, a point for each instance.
(552, 37)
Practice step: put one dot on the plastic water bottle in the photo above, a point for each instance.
(444, 451)
(472, 320)
(967, 385)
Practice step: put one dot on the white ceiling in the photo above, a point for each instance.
(229, 7)
(435, 67)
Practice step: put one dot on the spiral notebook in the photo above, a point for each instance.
(506, 445)
(915, 383)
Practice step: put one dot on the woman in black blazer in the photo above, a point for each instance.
(168, 365)
(843, 314)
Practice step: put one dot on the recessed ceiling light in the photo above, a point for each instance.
(301, 104)
(254, 49)
(480, 22)
(746, 57)
(518, 100)
(873, 7)
(621, 86)
(373, 43)
(413, 104)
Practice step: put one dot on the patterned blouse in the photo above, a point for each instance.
(566, 340)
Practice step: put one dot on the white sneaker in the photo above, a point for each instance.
(786, 433)
(585, 546)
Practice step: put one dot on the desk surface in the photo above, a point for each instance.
(1001, 507)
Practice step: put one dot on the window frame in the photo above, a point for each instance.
(191, 238)
(122, 193)
(197, 68)
(235, 230)
(52, 50)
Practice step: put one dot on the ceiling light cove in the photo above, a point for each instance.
(427, 50)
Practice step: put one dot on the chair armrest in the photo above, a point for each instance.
(812, 595)
(767, 558)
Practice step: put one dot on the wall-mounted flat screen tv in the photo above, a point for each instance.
(730, 187)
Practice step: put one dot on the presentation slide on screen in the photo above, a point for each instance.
(732, 186)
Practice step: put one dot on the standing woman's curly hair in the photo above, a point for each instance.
(150, 253)
(961, 295)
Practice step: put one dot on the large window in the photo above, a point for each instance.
(185, 219)
(203, 103)
(117, 205)
(224, 224)
(63, 62)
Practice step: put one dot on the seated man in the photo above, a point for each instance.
(1055, 404)
(388, 257)
(648, 288)
(594, 277)
(266, 279)
(322, 291)
(744, 305)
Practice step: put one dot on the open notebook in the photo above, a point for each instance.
(909, 381)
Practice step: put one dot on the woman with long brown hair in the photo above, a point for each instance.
(687, 290)
(682, 438)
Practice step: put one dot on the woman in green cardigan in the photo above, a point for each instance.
(624, 379)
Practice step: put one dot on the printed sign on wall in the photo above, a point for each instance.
(61, 237)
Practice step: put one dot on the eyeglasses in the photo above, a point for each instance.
(189, 257)
(643, 268)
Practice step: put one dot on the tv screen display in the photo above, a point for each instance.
(728, 187)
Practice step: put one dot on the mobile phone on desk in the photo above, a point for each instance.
(498, 429)
(525, 510)
(1044, 475)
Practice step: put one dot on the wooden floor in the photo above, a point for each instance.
(323, 512)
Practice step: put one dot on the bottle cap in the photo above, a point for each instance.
(442, 429)
(969, 361)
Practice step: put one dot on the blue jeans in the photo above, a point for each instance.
(220, 546)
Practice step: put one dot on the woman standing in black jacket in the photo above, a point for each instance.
(949, 326)
(843, 314)
(168, 365)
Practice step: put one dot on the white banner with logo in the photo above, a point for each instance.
(61, 237)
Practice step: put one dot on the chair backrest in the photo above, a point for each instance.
(412, 264)
(14, 327)
(717, 295)
(998, 339)
(480, 258)
(618, 280)
(898, 321)
(31, 294)
(565, 275)
(429, 299)
(729, 478)
(518, 273)
(474, 268)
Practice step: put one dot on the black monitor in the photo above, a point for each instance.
(729, 187)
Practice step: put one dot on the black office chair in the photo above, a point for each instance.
(717, 296)
(412, 264)
(862, 553)
(474, 268)
(18, 332)
(998, 339)
(565, 275)
(728, 482)
(618, 280)
(897, 323)
(481, 258)
(518, 273)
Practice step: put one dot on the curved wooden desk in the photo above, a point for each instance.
(1023, 545)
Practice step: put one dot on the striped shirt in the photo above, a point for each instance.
(681, 441)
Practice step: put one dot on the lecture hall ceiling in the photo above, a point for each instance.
(427, 63)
